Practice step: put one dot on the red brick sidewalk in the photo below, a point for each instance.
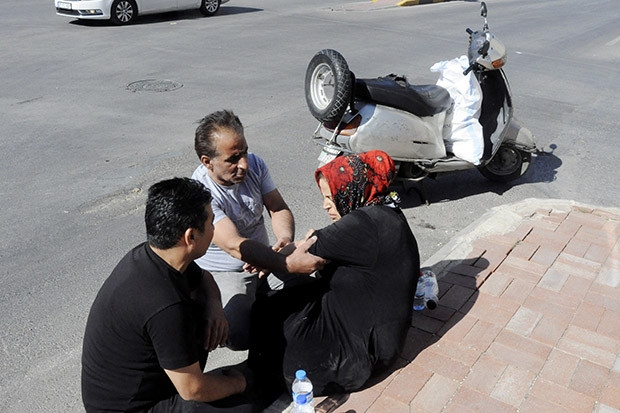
(529, 319)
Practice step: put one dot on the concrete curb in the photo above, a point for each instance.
(498, 220)
(418, 2)
(382, 4)
(409, 2)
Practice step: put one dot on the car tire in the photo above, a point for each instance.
(123, 12)
(328, 86)
(209, 7)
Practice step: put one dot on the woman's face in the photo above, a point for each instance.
(328, 202)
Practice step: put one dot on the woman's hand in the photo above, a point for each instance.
(253, 269)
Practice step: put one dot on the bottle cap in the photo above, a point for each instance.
(300, 374)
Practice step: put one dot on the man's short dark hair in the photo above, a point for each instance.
(172, 207)
(204, 144)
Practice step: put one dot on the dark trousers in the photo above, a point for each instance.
(267, 335)
(176, 404)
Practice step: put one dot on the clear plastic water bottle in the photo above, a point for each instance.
(303, 395)
(418, 299)
(431, 289)
(426, 291)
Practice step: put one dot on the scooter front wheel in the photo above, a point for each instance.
(508, 164)
(328, 85)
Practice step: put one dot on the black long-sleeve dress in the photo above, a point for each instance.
(352, 321)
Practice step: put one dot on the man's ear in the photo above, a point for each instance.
(206, 161)
(188, 236)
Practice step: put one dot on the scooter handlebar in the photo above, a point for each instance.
(471, 66)
(469, 69)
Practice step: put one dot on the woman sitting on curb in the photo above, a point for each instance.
(349, 322)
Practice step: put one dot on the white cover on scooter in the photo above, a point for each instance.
(466, 140)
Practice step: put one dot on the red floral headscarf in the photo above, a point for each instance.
(358, 180)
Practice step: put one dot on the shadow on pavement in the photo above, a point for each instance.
(463, 184)
(458, 281)
(170, 17)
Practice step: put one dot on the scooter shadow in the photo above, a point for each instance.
(462, 184)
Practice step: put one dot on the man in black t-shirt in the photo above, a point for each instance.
(158, 314)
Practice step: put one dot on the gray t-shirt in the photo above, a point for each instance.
(242, 204)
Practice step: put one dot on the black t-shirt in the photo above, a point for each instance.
(141, 322)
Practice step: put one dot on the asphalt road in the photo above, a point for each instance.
(79, 148)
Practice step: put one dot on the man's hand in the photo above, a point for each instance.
(300, 261)
(281, 243)
(216, 326)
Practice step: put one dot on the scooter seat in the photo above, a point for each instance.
(396, 92)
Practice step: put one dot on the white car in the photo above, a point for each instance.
(126, 11)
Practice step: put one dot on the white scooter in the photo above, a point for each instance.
(412, 122)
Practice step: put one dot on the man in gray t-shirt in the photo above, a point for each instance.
(242, 187)
(243, 204)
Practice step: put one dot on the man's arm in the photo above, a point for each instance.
(282, 221)
(261, 256)
(193, 384)
(300, 261)
(216, 326)
(227, 238)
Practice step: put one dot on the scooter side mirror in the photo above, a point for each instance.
(484, 50)
(483, 13)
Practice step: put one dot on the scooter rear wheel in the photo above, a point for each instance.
(328, 86)
(508, 164)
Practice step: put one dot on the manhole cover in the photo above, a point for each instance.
(153, 85)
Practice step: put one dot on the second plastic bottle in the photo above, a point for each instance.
(303, 394)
